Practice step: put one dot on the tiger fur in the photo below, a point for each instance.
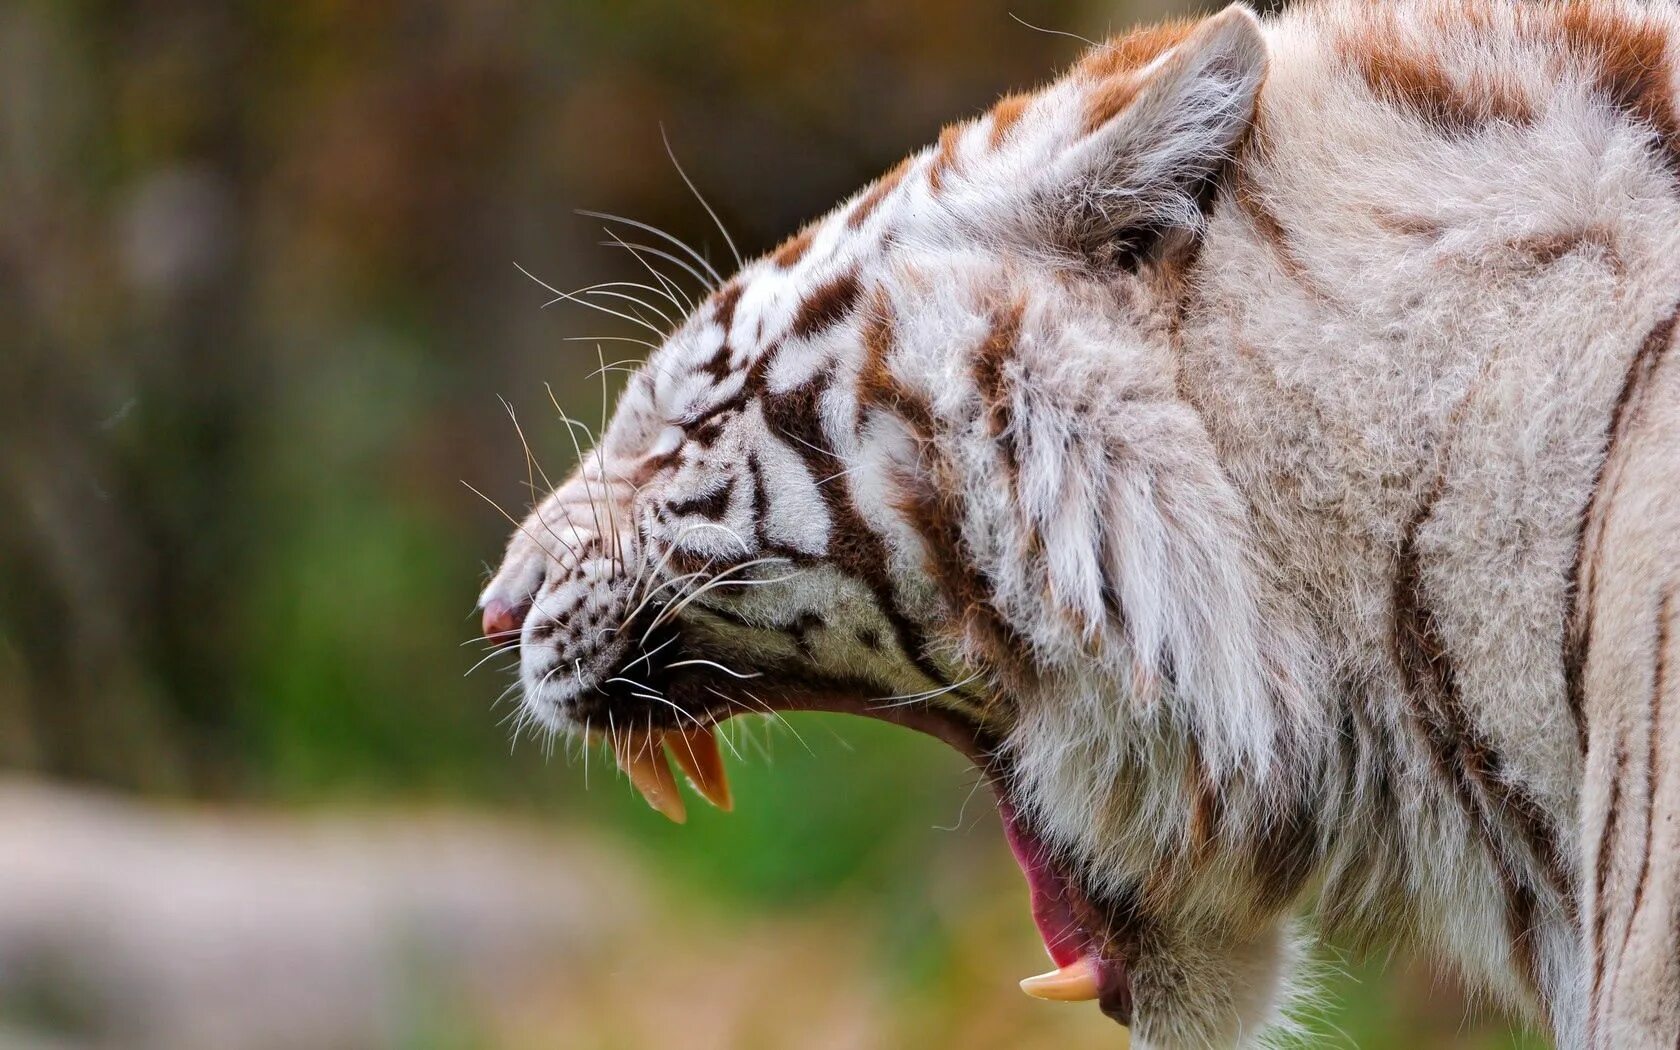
(1263, 440)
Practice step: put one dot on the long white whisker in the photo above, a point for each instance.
(637, 246)
(583, 466)
(609, 339)
(915, 698)
(668, 614)
(649, 654)
(633, 682)
(630, 298)
(560, 296)
(1058, 32)
(683, 535)
(632, 318)
(669, 152)
(531, 459)
(717, 278)
(778, 716)
(672, 288)
(510, 518)
(502, 651)
(830, 453)
(631, 616)
(662, 292)
(588, 746)
(714, 663)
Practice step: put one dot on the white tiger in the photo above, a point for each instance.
(1257, 451)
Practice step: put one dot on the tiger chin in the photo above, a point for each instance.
(1256, 451)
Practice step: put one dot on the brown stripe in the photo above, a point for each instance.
(1430, 672)
(829, 304)
(877, 385)
(1547, 248)
(877, 193)
(1601, 880)
(1285, 853)
(933, 502)
(713, 506)
(991, 360)
(794, 248)
(1206, 806)
(1419, 82)
(1005, 115)
(1659, 682)
(1461, 755)
(1634, 71)
(1520, 909)
(724, 302)
(1137, 48)
(945, 161)
(852, 546)
(1581, 587)
(1109, 98)
(718, 365)
(1247, 197)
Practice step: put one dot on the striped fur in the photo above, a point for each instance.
(1265, 438)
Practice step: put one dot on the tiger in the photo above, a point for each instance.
(1255, 450)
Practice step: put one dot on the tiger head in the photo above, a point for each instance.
(926, 462)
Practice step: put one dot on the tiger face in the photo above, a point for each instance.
(925, 462)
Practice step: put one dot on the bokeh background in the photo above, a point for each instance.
(258, 313)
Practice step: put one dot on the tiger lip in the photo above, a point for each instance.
(1084, 972)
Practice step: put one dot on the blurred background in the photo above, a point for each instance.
(258, 307)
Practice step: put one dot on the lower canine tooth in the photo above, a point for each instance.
(1074, 983)
(642, 758)
(696, 752)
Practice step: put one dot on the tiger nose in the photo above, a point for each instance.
(502, 620)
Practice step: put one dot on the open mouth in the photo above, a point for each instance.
(678, 706)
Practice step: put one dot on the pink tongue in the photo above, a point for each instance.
(1064, 938)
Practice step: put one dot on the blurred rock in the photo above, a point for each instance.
(132, 926)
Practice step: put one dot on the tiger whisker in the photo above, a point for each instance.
(631, 616)
(583, 469)
(683, 535)
(530, 460)
(609, 339)
(649, 654)
(713, 663)
(926, 694)
(668, 614)
(630, 298)
(779, 717)
(637, 247)
(510, 517)
(631, 681)
(830, 453)
(487, 657)
(672, 288)
(669, 152)
(560, 297)
(586, 748)
(717, 278)
(663, 293)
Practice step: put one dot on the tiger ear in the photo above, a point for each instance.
(1127, 148)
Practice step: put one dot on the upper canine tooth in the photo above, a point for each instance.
(642, 758)
(696, 752)
(1074, 983)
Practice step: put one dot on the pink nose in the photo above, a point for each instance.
(502, 621)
